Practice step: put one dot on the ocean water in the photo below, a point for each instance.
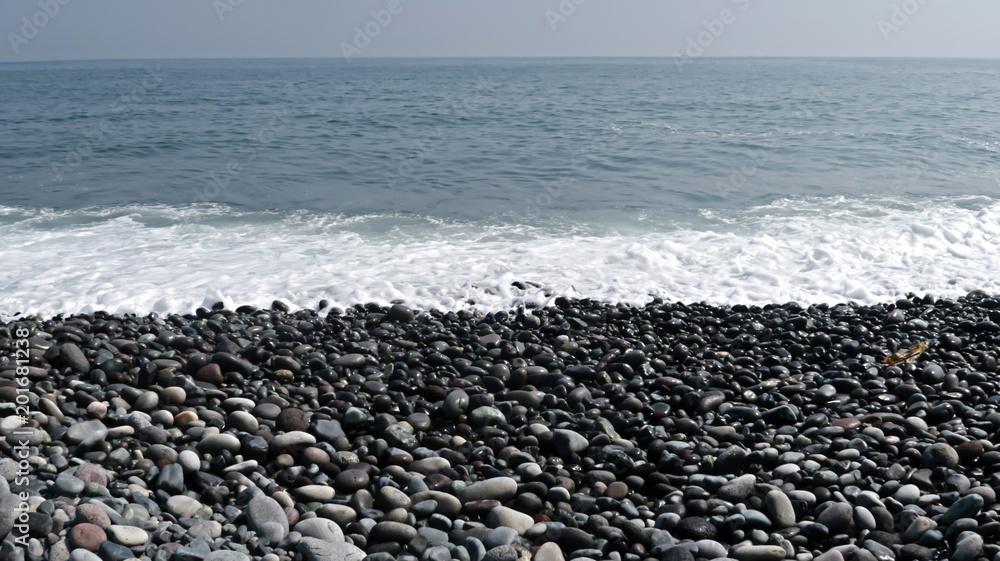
(138, 186)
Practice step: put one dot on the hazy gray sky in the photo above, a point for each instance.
(108, 29)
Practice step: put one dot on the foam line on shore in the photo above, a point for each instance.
(145, 258)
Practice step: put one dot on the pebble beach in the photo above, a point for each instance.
(579, 431)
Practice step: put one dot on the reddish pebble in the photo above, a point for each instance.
(436, 481)
(480, 506)
(97, 410)
(210, 373)
(90, 473)
(313, 455)
(849, 423)
(616, 490)
(93, 514)
(87, 536)
(292, 515)
(970, 450)
(185, 417)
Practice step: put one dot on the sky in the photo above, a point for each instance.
(38, 30)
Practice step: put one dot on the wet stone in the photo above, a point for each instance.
(267, 518)
(759, 553)
(737, 489)
(967, 507)
(837, 517)
(351, 480)
(940, 455)
(384, 532)
(68, 485)
(110, 551)
(696, 528)
(87, 536)
(171, 479)
(320, 528)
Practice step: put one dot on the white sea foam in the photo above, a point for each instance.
(142, 259)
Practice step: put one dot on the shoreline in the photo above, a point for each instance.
(550, 299)
(582, 430)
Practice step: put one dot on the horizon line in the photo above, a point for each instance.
(509, 57)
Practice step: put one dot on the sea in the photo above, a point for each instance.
(165, 185)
